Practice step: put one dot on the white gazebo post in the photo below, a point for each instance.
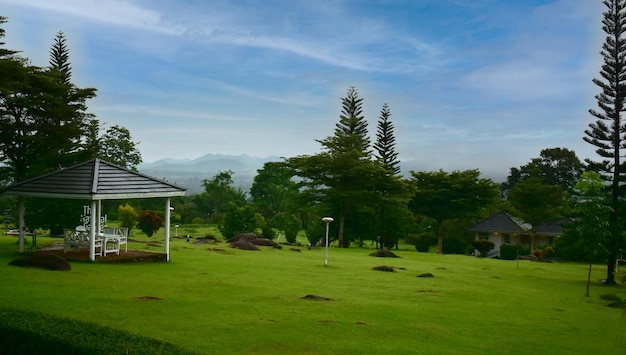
(326, 220)
(20, 222)
(168, 208)
(92, 232)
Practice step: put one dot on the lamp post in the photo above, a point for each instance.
(326, 220)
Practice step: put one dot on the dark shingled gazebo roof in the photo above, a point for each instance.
(95, 180)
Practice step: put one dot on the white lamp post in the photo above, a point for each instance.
(326, 220)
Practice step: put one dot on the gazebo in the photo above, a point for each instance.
(95, 180)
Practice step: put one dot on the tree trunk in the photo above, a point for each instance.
(342, 219)
(440, 239)
(589, 276)
(610, 269)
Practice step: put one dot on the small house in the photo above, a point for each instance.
(503, 228)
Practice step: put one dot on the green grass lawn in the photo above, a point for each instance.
(213, 299)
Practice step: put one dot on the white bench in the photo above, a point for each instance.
(75, 239)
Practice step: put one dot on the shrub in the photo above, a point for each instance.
(127, 216)
(508, 251)
(315, 232)
(241, 220)
(610, 297)
(288, 223)
(483, 246)
(149, 222)
(422, 242)
(454, 246)
(547, 251)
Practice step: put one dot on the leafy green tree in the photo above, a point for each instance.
(273, 192)
(315, 231)
(289, 224)
(27, 96)
(607, 132)
(536, 202)
(239, 220)
(592, 217)
(118, 148)
(219, 195)
(149, 222)
(554, 166)
(127, 215)
(445, 196)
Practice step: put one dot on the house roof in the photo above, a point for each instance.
(552, 228)
(504, 223)
(500, 222)
(95, 179)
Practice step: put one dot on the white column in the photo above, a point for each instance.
(92, 232)
(20, 221)
(167, 229)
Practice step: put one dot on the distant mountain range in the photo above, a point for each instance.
(190, 173)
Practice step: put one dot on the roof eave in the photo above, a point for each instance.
(96, 196)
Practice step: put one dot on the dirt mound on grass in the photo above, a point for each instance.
(247, 236)
(206, 240)
(244, 240)
(384, 268)
(384, 253)
(147, 298)
(265, 242)
(244, 244)
(43, 261)
(427, 274)
(316, 298)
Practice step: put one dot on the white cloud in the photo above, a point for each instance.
(116, 12)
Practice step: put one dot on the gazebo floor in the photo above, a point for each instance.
(130, 256)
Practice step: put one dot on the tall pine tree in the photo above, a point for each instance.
(350, 151)
(351, 131)
(59, 59)
(340, 180)
(386, 142)
(74, 123)
(608, 132)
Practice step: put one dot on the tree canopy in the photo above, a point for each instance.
(452, 195)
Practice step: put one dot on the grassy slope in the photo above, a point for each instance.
(235, 301)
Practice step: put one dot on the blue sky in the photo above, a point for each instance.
(471, 84)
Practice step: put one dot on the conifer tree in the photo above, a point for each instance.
(351, 130)
(340, 179)
(350, 153)
(608, 132)
(386, 142)
(59, 59)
